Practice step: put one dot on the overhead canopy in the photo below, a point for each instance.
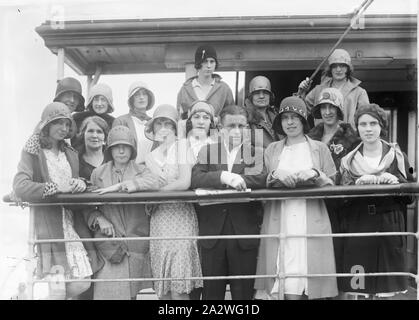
(242, 43)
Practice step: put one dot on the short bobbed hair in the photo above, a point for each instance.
(45, 140)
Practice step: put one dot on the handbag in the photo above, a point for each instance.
(113, 251)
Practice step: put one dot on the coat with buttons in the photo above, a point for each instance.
(128, 220)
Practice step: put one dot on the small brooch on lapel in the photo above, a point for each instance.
(336, 148)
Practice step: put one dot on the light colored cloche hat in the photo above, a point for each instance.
(134, 87)
(332, 96)
(162, 111)
(340, 56)
(54, 111)
(104, 90)
(121, 135)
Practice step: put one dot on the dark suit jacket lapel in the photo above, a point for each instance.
(242, 160)
(222, 156)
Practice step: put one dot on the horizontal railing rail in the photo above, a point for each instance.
(264, 276)
(153, 197)
(219, 237)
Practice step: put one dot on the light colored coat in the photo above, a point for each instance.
(320, 256)
(353, 97)
(129, 220)
(31, 184)
(219, 96)
(126, 120)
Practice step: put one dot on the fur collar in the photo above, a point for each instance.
(254, 116)
(344, 139)
(33, 145)
(344, 131)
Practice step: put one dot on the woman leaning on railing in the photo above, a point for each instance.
(374, 161)
(295, 161)
(48, 166)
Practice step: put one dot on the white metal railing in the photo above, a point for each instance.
(411, 189)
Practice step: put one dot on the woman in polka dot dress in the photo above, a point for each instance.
(172, 161)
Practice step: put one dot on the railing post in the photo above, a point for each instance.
(30, 264)
(417, 266)
(417, 180)
(281, 255)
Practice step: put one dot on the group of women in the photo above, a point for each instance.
(136, 152)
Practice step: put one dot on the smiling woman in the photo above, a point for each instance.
(338, 74)
(100, 103)
(91, 140)
(295, 161)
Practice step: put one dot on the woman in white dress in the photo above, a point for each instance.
(296, 161)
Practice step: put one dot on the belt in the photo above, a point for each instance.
(373, 209)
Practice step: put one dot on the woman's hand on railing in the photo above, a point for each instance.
(77, 185)
(367, 179)
(286, 178)
(105, 226)
(387, 178)
(64, 188)
(306, 175)
(114, 188)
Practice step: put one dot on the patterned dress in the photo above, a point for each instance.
(59, 171)
(173, 258)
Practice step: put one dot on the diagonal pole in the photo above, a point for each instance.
(358, 12)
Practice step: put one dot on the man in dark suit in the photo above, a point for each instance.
(230, 163)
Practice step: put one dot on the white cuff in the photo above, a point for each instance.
(226, 177)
